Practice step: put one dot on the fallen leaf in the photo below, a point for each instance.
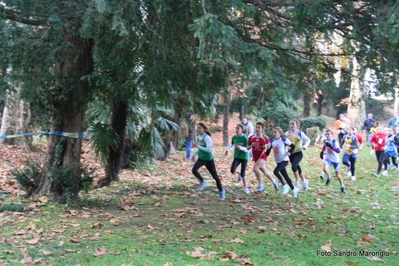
(47, 252)
(374, 258)
(99, 252)
(326, 247)
(34, 241)
(115, 221)
(230, 255)
(236, 240)
(27, 259)
(368, 238)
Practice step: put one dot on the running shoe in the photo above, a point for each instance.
(275, 185)
(392, 166)
(343, 189)
(246, 190)
(377, 175)
(384, 173)
(261, 187)
(305, 184)
(285, 189)
(295, 193)
(298, 185)
(202, 185)
(321, 177)
(328, 180)
(222, 194)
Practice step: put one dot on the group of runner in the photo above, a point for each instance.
(287, 147)
(247, 143)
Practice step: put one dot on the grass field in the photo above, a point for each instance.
(157, 217)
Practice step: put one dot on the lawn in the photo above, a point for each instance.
(156, 216)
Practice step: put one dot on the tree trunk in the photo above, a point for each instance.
(16, 119)
(115, 157)
(64, 153)
(226, 116)
(261, 99)
(242, 109)
(396, 103)
(357, 106)
(307, 100)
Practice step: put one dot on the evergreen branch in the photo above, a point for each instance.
(14, 16)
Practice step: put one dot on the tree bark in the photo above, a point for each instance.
(71, 106)
(226, 116)
(396, 102)
(307, 100)
(115, 157)
(357, 106)
(16, 119)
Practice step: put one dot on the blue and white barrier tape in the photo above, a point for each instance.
(60, 134)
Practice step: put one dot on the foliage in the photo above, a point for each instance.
(377, 109)
(276, 115)
(26, 177)
(137, 155)
(13, 207)
(307, 122)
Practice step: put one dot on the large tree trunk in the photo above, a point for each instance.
(115, 157)
(64, 153)
(357, 106)
(16, 119)
(307, 100)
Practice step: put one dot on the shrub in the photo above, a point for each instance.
(27, 176)
(13, 207)
(276, 114)
(308, 122)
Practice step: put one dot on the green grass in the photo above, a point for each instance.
(175, 224)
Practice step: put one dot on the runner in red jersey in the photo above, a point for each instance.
(259, 142)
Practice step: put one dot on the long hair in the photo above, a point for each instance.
(280, 130)
(205, 128)
(297, 123)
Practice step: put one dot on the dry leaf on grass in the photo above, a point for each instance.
(47, 252)
(230, 255)
(99, 252)
(374, 258)
(326, 247)
(115, 221)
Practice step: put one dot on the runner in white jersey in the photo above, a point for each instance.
(319, 142)
(331, 158)
(279, 146)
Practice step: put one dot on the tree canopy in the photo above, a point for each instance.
(178, 55)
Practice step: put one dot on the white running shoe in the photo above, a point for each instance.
(285, 189)
(261, 187)
(202, 185)
(246, 190)
(295, 193)
(384, 173)
(298, 185)
(353, 178)
(349, 173)
(305, 184)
